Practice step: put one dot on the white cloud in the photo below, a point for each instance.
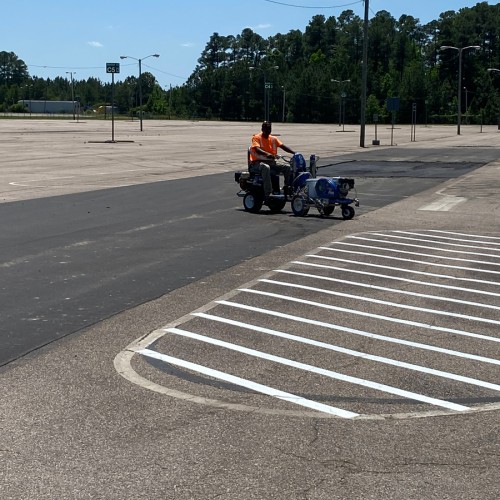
(261, 26)
(187, 44)
(95, 44)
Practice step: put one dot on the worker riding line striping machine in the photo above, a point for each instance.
(307, 190)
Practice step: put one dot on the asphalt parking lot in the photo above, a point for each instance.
(359, 362)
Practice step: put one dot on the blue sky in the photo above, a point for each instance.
(54, 37)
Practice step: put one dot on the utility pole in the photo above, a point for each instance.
(364, 77)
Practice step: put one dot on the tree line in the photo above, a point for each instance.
(312, 76)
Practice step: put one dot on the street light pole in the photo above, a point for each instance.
(267, 86)
(460, 50)
(72, 90)
(341, 98)
(140, 82)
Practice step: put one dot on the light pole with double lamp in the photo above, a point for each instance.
(140, 83)
(341, 99)
(267, 87)
(460, 50)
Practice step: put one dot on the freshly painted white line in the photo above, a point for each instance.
(321, 371)
(383, 302)
(263, 389)
(361, 333)
(465, 234)
(369, 264)
(405, 252)
(399, 243)
(350, 352)
(433, 241)
(396, 278)
(370, 315)
(444, 204)
(387, 289)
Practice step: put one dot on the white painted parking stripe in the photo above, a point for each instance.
(465, 234)
(482, 239)
(374, 316)
(321, 371)
(263, 389)
(382, 302)
(405, 270)
(361, 333)
(387, 289)
(350, 352)
(433, 241)
(413, 245)
(385, 249)
(396, 278)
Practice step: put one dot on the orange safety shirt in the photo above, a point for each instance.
(270, 145)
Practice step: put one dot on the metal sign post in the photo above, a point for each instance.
(375, 142)
(413, 121)
(393, 105)
(112, 68)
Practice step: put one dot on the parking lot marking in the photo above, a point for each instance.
(321, 371)
(413, 261)
(387, 289)
(434, 242)
(263, 389)
(362, 333)
(351, 352)
(404, 270)
(371, 315)
(382, 302)
(481, 237)
(407, 252)
(322, 274)
(413, 245)
(390, 277)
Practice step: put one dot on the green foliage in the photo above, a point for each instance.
(229, 81)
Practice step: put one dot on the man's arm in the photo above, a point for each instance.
(287, 149)
(260, 151)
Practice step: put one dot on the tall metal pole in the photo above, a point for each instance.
(72, 91)
(341, 97)
(140, 80)
(459, 115)
(364, 77)
(459, 97)
(267, 86)
(140, 94)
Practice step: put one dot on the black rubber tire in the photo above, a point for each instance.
(300, 208)
(347, 212)
(276, 206)
(252, 203)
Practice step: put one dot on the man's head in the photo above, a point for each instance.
(266, 128)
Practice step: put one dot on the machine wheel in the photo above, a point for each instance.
(328, 210)
(252, 203)
(276, 206)
(299, 206)
(347, 212)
